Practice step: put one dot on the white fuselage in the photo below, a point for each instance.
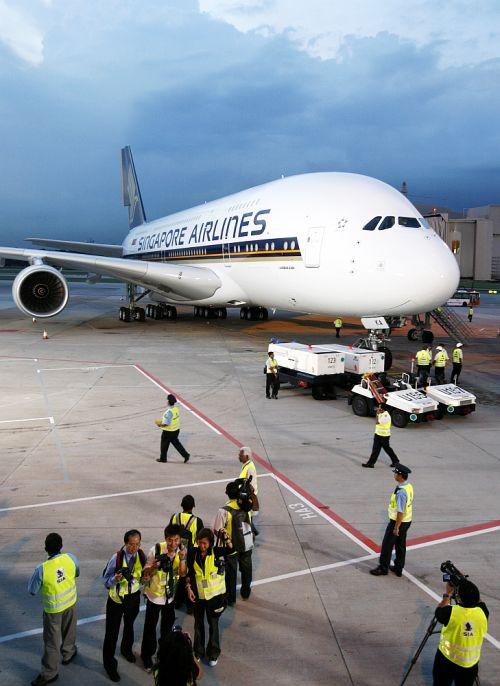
(298, 243)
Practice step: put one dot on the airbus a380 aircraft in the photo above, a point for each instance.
(325, 243)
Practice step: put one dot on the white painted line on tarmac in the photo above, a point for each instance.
(259, 582)
(20, 359)
(88, 367)
(120, 494)
(54, 430)
(323, 514)
(29, 419)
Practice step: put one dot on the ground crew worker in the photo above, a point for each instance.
(381, 438)
(400, 515)
(165, 565)
(206, 588)
(122, 578)
(424, 361)
(236, 522)
(272, 380)
(440, 360)
(247, 470)
(55, 578)
(191, 525)
(464, 627)
(471, 314)
(170, 425)
(457, 359)
(338, 324)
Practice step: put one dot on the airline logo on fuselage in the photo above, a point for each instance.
(229, 228)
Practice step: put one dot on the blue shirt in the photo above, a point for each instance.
(167, 417)
(109, 572)
(401, 497)
(36, 580)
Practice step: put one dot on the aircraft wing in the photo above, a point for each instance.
(103, 249)
(178, 282)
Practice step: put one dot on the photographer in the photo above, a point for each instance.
(165, 564)
(192, 525)
(122, 578)
(248, 470)
(177, 666)
(237, 522)
(464, 627)
(206, 588)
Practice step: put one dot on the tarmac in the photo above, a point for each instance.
(78, 457)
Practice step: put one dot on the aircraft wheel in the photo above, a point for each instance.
(265, 313)
(427, 336)
(158, 313)
(139, 314)
(243, 313)
(207, 312)
(174, 312)
(125, 314)
(359, 406)
(412, 335)
(387, 359)
(249, 314)
(222, 313)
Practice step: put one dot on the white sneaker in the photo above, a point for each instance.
(212, 663)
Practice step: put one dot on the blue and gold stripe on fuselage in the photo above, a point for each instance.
(253, 250)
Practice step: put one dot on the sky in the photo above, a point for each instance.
(215, 96)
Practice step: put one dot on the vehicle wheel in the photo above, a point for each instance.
(243, 313)
(427, 336)
(413, 335)
(387, 359)
(331, 393)
(319, 392)
(359, 406)
(399, 418)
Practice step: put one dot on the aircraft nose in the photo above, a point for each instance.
(438, 276)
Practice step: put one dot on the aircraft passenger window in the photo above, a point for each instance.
(267, 246)
(410, 222)
(286, 245)
(372, 224)
(387, 222)
(292, 245)
(272, 246)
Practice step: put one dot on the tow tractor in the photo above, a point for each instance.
(324, 367)
(404, 403)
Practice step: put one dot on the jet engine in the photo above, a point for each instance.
(40, 291)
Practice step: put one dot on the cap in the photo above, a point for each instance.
(459, 345)
(401, 469)
(439, 347)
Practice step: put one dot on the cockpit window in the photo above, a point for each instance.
(424, 223)
(386, 223)
(372, 224)
(409, 222)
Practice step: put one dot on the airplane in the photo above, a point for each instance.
(327, 243)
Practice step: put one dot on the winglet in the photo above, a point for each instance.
(130, 190)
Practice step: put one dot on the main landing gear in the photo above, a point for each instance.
(254, 313)
(210, 312)
(132, 312)
(161, 311)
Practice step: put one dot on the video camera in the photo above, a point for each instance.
(165, 563)
(451, 574)
(244, 498)
(126, 573)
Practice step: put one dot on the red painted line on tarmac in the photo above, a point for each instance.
(453, 532)
(337, 518)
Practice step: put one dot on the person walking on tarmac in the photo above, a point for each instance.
(170, 425)
(338, 324)
(440, 360)
(461, 639)
(381, 438)
(424, 361)
(400, 515)
(122, 578)
(248, 470)
(272, 379)
(471, 313)
(457, 359)
(191, 525)
(56, 579)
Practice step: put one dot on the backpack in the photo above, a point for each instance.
(242, 537)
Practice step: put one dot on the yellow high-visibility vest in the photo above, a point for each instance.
(461, 639)
(458, 355)
(208, 580)
(392, 510)
(338, 323)
(385, 428)
(423, 358)
(157, 584)
(271, 365)
(183, 519)
(440, 359)
(120, 589)
(175, 422)
(250, 466)
(471, 310)
(58, 584)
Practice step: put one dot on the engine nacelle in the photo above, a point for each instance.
(40, 291)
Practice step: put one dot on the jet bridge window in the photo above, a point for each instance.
(409, 222)
(387, 223)
(372, 224)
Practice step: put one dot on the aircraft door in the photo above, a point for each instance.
(313, 246)
(226, 253)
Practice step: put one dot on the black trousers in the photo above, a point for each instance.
(455, 372)
(380, 442)
(149, 642)
(213, 610)
(337, 332)
(128, 609)
(272, 385)
(244, 560)
(171, 437)
(391, 541)
(439, 374)
(446, 673)
(424, 371)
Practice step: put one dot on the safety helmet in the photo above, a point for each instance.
(459, 345)
(439, 347)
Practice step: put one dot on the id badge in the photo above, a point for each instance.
(204, 583)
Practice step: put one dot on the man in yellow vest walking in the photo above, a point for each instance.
(170, 425)
(471, 313)
(400, 514)
(457, 359)
(55, 578)
(381, 438)
(464, 627)
(338, 324)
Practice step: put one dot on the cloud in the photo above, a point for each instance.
(20, 34)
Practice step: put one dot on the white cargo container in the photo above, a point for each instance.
(358, 360)
(316, 360)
